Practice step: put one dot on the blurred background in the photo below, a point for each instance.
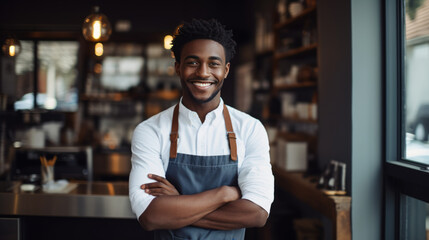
(341, 87)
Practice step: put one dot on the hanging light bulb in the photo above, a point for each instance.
(167, 41)
(11, 47)
(96, 27)
(99, 50)
(96, 30)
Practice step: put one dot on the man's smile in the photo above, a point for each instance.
(202, 84)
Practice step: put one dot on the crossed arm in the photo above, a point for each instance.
(219, 208)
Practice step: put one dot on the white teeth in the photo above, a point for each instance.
(202, 84)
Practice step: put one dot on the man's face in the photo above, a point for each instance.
(202, 69)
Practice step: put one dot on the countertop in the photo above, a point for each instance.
(87, 199)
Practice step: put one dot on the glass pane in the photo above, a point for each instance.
(57, 75)
(416, 81)
(414, 219)
(56, 80)
(24, 68)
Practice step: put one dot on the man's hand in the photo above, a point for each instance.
(161, 187)
(170, 210)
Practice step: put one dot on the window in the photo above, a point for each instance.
(416, 84)
(407, 119)
(56, 75)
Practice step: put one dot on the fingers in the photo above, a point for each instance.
(157, 191)
(152, 185)
(159, 179)
(153, 188)
(161, 187)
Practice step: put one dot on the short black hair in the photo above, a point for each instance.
(203, 29)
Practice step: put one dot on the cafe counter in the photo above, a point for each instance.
(87, 210)
(85, 199)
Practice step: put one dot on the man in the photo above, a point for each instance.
(200, 169)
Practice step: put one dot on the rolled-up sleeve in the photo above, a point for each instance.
(145, 159)
(255, 177)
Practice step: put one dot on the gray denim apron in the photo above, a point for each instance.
(192, 174)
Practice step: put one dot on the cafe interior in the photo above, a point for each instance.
(338, 85)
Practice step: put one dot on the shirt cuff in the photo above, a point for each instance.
(140, 205)
(259, 200)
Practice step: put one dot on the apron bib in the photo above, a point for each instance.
(192, 174)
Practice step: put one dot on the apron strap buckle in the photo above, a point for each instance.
(231, 135)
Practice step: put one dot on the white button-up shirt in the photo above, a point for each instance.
(151, 151)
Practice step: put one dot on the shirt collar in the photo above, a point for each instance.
(192, 116)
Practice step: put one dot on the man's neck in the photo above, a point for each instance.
(202, 109)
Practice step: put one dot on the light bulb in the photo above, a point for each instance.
(11, 47)
(167, 41)
(99, 49)
(96, 27)
(98, 68)
(12, 50)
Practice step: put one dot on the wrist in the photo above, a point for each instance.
(230, 193)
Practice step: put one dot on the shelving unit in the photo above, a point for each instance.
(292, 86)
(291, 21)
(295, 83)
(296, 52)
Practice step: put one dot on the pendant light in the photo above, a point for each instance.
(167, 42)
(96, 27)
(98, 49)
(11, 46)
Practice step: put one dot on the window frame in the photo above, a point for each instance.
(402, 177)
(40, 36)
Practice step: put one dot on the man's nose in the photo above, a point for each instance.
(203, 71)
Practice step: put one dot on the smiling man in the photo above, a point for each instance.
(201, 169)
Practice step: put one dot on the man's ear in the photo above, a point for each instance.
(177, 68)
(227, 69)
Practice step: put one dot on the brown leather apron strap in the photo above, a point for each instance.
(231, 134)
(174, 135)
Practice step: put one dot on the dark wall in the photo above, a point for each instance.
(335, 80)
(150, 19)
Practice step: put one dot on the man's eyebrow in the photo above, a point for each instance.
(192, 56)
(211, 58)
(215, 58)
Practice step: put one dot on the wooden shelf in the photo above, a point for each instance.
(114, 97)
(296, 52)
(294, 119)
(295, 86)
(297, 137)
(336, 208)
(117, 97)
(306, 12)
(265, 53)
(165, 95)
(298, 120)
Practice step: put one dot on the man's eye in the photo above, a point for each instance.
(214, 64)
(191, 63)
